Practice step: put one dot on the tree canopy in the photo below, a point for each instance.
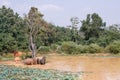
(92, 26)
(11, 35)
(32, 31)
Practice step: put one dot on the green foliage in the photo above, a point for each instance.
(54, 47)
(114, 47)
(12, 31)
(33, 22)
(44, 49)
(92, 26)
(90, 41)
(15, 32)
(62, 34)
(74, 26)
(68, 47)
(7, 56)
(72, 48)
(8, 43)
(83, 48)
(0, 58)
(25, 55)
(103, 41)
(17, 73)
(94, 48)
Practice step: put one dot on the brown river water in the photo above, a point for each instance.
(89, 67)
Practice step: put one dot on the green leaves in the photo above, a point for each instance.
(16, 73)
(114, 47)
(92, 26)
(11, 29)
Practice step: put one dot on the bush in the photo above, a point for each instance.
(44, 49)
(0, 58)
(72, 48)
(78, 49)
(69, 47)
(114, 47)
(103, 41)
(54, 47)
(84, 49)
(94, 48)
(7, 56)
(25, 55)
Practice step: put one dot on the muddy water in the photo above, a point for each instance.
(91, 68)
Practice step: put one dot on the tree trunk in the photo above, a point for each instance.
(32, 46)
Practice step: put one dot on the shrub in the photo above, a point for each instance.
(78, 49)
(114, 47)
(7, 56)
(83, 49)
(103, 41)
(44, 49)
(25, 55)
(72, 48)
(69, 47)
(0, 58)
(94, 48)
(54, 47)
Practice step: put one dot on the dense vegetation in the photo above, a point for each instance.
(91, 37)
(8, 72)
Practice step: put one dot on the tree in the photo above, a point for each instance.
(47, 34)
(92, 26)
(34, 22)
(11, 31)
(74, 26)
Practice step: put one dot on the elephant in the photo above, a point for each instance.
(43, 60)
(28, 61)
(38, 59)
(34, 60)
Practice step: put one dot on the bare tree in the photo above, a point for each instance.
(34, 22)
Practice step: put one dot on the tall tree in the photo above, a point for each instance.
(74, 27)
(92, 26)
(34, 22)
